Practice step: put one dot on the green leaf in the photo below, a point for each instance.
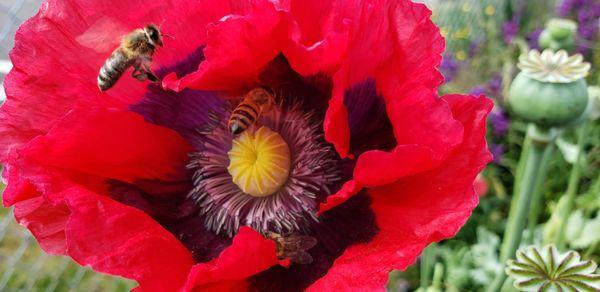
(589, 235)
(568, 150)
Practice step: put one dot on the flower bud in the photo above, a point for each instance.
(550, 90)
(561, 29)
(559, 35)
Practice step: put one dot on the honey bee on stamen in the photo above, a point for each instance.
(255, 103)
(294, 247)
(136, 50)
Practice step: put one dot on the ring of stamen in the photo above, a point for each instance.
(285, 205)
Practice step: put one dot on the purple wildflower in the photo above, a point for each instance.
(566, 7)
(510, 30)
(587, 14)
(495, 84)
(500, 121)
(588, 19)
(449, 67)
(534, 37)
(475, 47)
(477, 90)
(498, 151)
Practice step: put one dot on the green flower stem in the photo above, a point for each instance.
(427, 260)
(438, 273)
(595, 189)
(508, 286)
(530, 168)
(574, 179)
(588, 254)
(537, 196)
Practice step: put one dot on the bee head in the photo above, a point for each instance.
(153, 34)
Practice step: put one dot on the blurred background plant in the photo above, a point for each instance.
(485, 39)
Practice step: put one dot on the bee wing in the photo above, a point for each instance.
(305, 242)
(301, 257)
(295, 243)
(103, 36)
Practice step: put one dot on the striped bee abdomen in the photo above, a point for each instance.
(113, 69)
(243, 116)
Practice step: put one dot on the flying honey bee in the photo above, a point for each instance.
(136, 50)
(294, 247)
(255, 103)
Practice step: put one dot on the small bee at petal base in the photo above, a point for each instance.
(136, 50)
(255, 103)
(294, 247)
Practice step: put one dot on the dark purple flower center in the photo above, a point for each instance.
(226, 206)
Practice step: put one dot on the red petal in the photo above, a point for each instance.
(393, 42)
(320, 34)
(426, 133)
(124, 241)
(349, 189)
(375, 168)
(335, 124)
(396, 44)
(481, 186)
(416, 211)
(237, 49)
(17, 188)
(76, 37)
(93, 229)
(424, 119)
(111, 144)
(249, 254)
(99, 232)
(45, 221)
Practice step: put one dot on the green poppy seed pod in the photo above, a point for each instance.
(550, 90)
(592, 111)
(546, 269)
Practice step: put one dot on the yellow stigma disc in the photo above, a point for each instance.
(259, 162)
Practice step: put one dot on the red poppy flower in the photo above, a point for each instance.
(481, 186)
(364, 165)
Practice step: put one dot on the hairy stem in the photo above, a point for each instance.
(529, 170)
(572, 188)
(537, 196)
(427, 260)
(438, 273)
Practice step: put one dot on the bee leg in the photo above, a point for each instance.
(152, 77)
(140, 76)
(143, 76)
(142, 71)
(138, 72)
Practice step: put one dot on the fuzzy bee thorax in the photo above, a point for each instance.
(136, 43)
